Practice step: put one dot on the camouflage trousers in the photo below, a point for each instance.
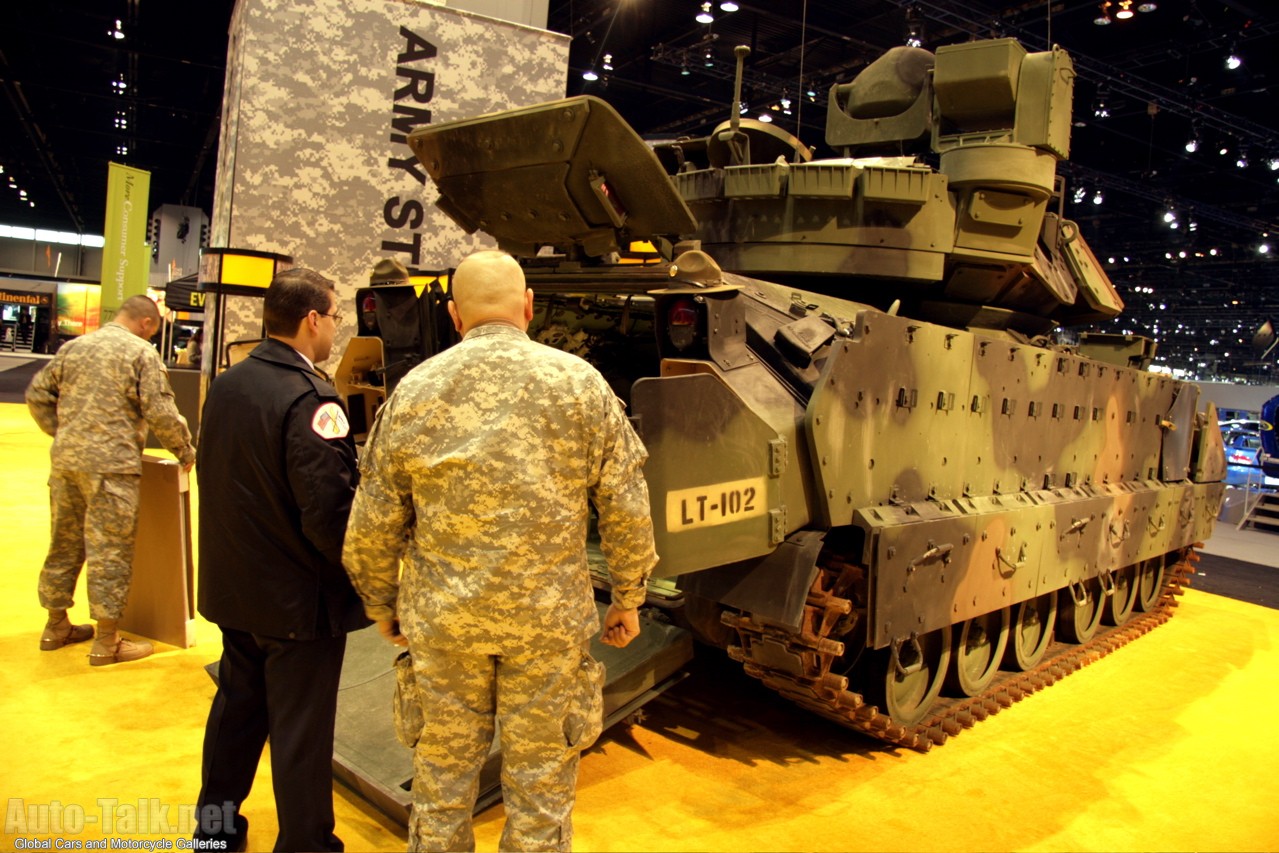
(94, 517)
(541, 707)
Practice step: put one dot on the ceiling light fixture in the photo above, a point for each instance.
(590, 75)
(116, 33)
(1233, 59)
(709, 58)
(1147, 6)
(608, 62)
(1125, 10)
(705, 16)
(1103, 17)
(728, 6)
(1098, 198)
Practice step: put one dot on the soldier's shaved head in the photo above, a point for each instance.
(140, 315)
(488, 287)
(139, 307)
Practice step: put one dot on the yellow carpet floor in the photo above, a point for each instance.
(1167, 744)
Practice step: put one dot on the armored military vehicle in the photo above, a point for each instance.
(878, 479)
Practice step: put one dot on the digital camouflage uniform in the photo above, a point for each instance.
(96, 398)
(487, 454)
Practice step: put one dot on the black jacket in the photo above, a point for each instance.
(276, 477)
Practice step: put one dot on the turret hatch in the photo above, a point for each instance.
(568, 173)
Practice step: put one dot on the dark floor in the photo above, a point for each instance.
(14, 380)
(1237, 579)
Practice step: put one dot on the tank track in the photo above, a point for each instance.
(827, 614)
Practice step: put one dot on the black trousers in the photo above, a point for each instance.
(285, 690)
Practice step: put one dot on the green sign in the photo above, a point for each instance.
(125, 260)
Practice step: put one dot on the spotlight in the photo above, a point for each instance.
(1273, 164)
(709, 58)
(705, 16)
(1098, 198)
(1080, 194)
(1148, 6)
(608, 62)
(765, 117)
(1234, 60)
(1103, 17)
(1125, 10)
(1242, 162)
(728, 6)
(116, 33)
(1192, 144)
(589, 74)
(1263, 249)
(683, 70)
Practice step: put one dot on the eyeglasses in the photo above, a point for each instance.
(336, 316)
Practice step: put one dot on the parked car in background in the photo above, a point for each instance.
(1228, 427)
(1243, 447)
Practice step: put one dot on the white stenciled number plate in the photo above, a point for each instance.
(720, 503)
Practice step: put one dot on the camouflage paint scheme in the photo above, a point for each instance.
(862, 427)
(318, 99)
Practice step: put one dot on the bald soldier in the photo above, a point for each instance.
(97, 397)
(486, 457)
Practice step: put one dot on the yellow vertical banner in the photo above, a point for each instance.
(125, 262)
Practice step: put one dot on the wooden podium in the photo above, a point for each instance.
(162, 595)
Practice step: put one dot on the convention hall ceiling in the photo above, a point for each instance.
(1146, 86)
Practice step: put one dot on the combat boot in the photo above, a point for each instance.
(110, 647)
(59, 632)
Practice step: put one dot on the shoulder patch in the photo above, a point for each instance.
(329, 422)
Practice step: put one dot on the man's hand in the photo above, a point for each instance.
(620, 626)
(390, 630)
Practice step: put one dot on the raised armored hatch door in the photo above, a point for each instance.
(565, 173)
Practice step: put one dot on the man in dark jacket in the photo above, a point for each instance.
(276, 478)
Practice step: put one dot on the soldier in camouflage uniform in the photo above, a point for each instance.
(485, 457)
(97, 398)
